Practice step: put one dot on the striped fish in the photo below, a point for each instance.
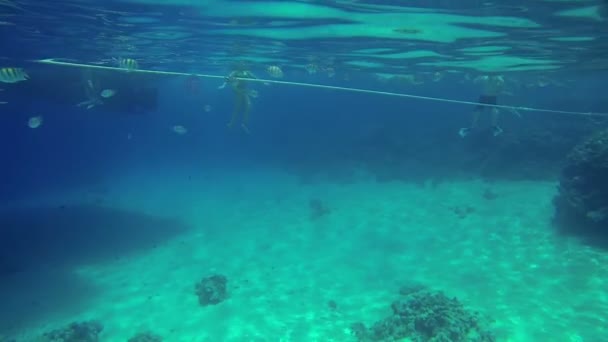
(12, 75)
(128, 63)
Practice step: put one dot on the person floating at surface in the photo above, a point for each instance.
(242, 100)
(492, 86)
(91, 90)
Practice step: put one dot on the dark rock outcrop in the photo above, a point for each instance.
(75, 332)
(582, 202)
(146, 337)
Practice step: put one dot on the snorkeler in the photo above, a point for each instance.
(117, 92)
(492, 86)
(91, 90)
(242, 100)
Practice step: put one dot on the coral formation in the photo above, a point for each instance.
(582, 201)
(146, 337)
(75, 332)
(212, 290)
(421, 316)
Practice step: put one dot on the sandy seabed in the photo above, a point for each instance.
(499, 256)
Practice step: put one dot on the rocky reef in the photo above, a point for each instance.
(318, 209)
(582, 202)
(212, 290)
(146, 337)
(75, 332)
(420, 315)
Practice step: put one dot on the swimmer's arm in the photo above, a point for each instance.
(226, 80)
(501, 85)
(480, 79)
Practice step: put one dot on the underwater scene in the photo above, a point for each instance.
(285, 171)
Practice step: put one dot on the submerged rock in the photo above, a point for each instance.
(75, 332)
(318, 209)
(146, 337)
(212, 290)
(421, 315)
(582, 202)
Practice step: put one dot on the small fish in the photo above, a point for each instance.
(543, 83)
(437, 76)
(253, 93)
(3, 102)
(90, 103)
(35, 122)
(274, 71)
(179, 129)
(128, 63)
(311, 68)
(207, 108)
(13, 75)
(107, 93)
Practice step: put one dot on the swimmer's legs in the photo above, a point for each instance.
(496, 129)
(463, 132)
(238, 104)
(495, 115)
(476, 115)
(246, 110)
(485, 103)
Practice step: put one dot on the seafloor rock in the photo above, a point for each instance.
(212, 290)
(318, 209)
(146, 337)
(422, 316)
(582, 201)
(75, 332)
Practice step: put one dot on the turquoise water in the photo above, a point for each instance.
(347, 199)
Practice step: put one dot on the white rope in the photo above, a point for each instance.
(321, 86)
